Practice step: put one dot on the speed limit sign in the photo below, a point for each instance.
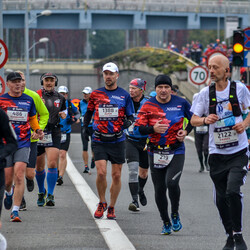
(198, 75)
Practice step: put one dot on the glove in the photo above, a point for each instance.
(127, 123)
(85, 133)
(71, 120)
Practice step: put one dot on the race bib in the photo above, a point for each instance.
(63, 137)
(47, 140)
(17, 115)
(225, 137)
(202, 130)
(108, 112)
(161, 159)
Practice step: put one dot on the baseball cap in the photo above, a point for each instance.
(110, 67)
(139, 83)
(13, 76)
(63, 89)
(163, 79)
(152, 94)
(48, 75)
(87, 90)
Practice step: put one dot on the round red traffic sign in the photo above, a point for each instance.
(3, 53)
(214, 53)
(198, 75)
(2, 86)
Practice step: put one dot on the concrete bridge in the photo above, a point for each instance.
(79, 75)
(126, 14)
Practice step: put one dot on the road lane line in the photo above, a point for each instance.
(110, 230)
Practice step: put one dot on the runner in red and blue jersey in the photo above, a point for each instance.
(161, 118)
(136, 156)
(113, 112)
(21, 111)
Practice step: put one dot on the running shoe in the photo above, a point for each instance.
(239, 242)
(50, 201)
(86, 170)
(8, 200)
(201, 169)
(177, 226)
(134, 206)
(30, 184)
(111, 213)
(59, 181)
(92, 163)
(41, 198)
(102, 207)
(166, 228)
(143, 198)
(23, 205)
(207, 166)
(14, 217)
(229, 244)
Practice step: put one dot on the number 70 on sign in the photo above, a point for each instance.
(198, 75)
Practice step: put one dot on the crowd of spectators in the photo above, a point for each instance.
(196, 52)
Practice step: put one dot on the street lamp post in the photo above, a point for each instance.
(27, 22)
(41, 40)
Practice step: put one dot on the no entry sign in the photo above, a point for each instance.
(3, 53)
(2, 86)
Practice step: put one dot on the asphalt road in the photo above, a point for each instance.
(70, 225)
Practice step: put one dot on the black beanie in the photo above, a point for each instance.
(163, 79)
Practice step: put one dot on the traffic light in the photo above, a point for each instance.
(238, 48)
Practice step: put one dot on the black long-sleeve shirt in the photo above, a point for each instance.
(8, 143)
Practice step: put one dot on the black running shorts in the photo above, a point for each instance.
(65, 145)
(113, 152)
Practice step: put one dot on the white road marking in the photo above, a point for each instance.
(110, 230)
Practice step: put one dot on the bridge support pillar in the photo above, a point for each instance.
(139, 20)
(193, 21)
(85, 20)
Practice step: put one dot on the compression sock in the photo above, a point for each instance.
(133, 187)
(142, 183)
(51, 179)
(40, 177)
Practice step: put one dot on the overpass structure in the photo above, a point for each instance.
(126, 14)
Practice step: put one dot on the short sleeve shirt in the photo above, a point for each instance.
(110, 109)
(224, 111)
(19, 109)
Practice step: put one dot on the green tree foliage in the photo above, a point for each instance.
(204, 36)
(107, 42)
(162, 60)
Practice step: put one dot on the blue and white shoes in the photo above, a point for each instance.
(8, 200)
(176, 223)
(175, 226)
(167, 228)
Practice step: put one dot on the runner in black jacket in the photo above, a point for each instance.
(8, 144)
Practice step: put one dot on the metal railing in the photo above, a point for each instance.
(199, 6)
